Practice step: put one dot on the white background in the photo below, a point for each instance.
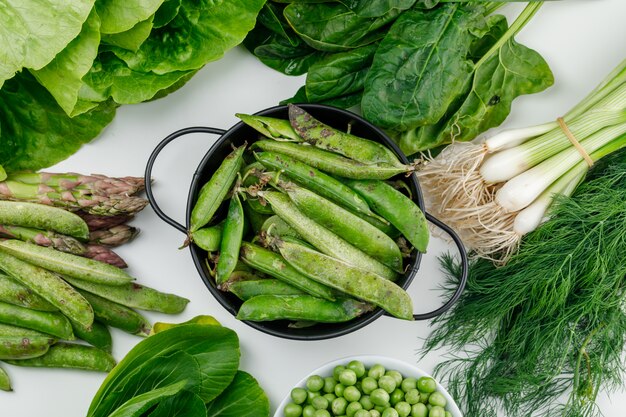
(581, 39)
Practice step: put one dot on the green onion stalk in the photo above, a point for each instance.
(494, 191)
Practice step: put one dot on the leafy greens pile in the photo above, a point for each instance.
(428, 73)
(183, 370)
(76, 61)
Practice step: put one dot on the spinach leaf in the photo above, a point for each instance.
(497, 27)
(34, 31)
(421, 67)
(137, 406)
(121, 15)
(377, 8)
(339, 74)
(271, 17)
(35, 131)
(185, 404)
(332, 27)
(344, 102)
(243, 398)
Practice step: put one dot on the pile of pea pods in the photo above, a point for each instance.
(326, 234)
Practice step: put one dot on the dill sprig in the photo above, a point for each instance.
(551, 323)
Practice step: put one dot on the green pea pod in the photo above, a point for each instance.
(208, 238)
(54, 324)
(252, 175)
(326, 137)
(315, 180)
(331, 162)
(40, 216)
(346, 225)
(246, 289)
(274, 265)
(231, 240)
(21, 343)
(362, 284)
(98, 335)
(66, 263)
(134, 296)
(255, 218)
(13, 292)
(69, 355)
(118, 316)
(278, 227)
(394, 206)
(323, 239)
(213, 192)
(300, 307)
(238, 276)
(5, 381)
(273, 128)
(49, 286)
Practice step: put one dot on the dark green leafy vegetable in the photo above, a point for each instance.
(243, 398)
(377, 8)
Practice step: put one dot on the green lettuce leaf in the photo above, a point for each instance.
(34, 31)
(244, 397)
(133, 37)
(121, 15)
(35, 132)
(166, 13)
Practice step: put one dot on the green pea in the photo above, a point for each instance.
(314, 383)
(448, 414)
(329, 396)
(368, 384)
(319, 403)
(376, 371)
(329, 384)
(362, 413)
(351, 394)
(412, 396)
(374, 413)
(298, 395)
(403, 408)
(408, 384)
(397, 376)
(347, 377)
(437, 411)
(388, 383)
(337, 370)
(293, 410)
(396, 396)
(308, 411)
(352, 408)
(357, 367)
(311, 395)
(366, 402)
(424, 397)
(339, 389)
(390, 412)
(419, 410)
(379, 396)
(338, 406)
(321, 413)
(426, 384)
(380, 408)
(437, 398)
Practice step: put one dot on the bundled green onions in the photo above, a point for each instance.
(496, 191)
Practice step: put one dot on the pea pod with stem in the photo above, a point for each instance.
(215, 190)
(14, 292)
(301, 308)
(230, 244)
(54, 324)
(323, 239)
(246, 289)
(20, 343)
(253, 180)
(44, 238)
(394, 206)
(347, 226)
(274, 265)
(362, 284)
(118, 316)
(332, 163)
(66, 263)
(208, 238)
(270, 127)
(98, 335)
(71, 355)
(278, 227)
(50, 287)
(43, 217)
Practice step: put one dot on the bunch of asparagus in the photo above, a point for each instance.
(59, 279)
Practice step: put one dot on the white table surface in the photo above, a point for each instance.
(581, 39)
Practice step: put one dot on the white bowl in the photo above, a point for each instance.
(404, 368)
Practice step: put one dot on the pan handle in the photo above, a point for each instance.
(150, 165)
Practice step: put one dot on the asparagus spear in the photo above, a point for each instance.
(95, 183)
(99, 222)
(114, 236)
(44, 238)
(104, 254)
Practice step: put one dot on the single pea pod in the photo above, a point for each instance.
(331, 162)
(214, 191)
(98, 335)
(54, 324)
(134, 296)
(44, 238)
(300, 307)
(346, 225)
(21, 343)
(66, 263)
(70, 355)
(315, 180)
(326, 137)
(274, 265)
(50, 287)
(232, 236)
(244, 290)
(275, 226)
(5, 381)
(208, 238)
(270, 127)
(238, 276)
(40, 216)
(394, 206)
(362, 284)
(118, 316)
(13, 292)
(254, 218)
(323, 239)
